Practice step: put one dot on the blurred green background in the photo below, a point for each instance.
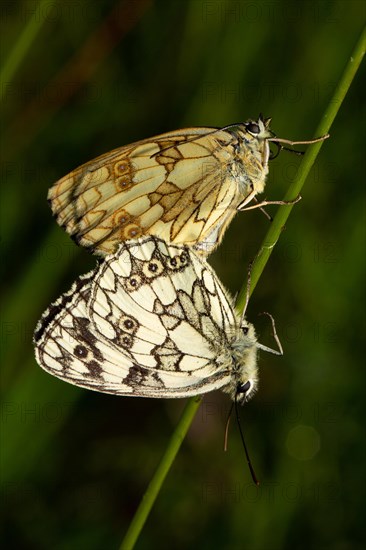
(75, 463)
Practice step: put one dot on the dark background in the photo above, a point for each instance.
(76, 463)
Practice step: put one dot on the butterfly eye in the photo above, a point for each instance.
(245, 330)
(244, 388)
(253, 128)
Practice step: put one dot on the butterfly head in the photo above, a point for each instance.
(245, 370)
(258, 129)
(255, 151)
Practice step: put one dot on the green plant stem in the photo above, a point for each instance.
(259, 263)
(21, 47)
(162, 470)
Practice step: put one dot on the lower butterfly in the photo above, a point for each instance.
(184, 186)
(153, 320)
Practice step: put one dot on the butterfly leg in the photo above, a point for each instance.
(242, 207)
(275, 336)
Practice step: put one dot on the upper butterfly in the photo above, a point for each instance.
(184, 186)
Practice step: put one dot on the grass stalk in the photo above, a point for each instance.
(21, 47)
(156, 482)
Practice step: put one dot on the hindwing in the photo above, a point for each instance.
(183, 186)
(152, 320)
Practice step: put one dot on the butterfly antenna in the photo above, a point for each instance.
(227, 426)
(251, 469)
(198, 136)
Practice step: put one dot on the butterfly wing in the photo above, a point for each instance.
(153, 320)
(65, 345)
(178, 186)
(168, 311)
(68, 346)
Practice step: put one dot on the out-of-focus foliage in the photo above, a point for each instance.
(75, 463)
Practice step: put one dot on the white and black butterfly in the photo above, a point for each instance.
(152, 320)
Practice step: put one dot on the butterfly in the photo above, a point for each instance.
(152, 320)
(184, 186)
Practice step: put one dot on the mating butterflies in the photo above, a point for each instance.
(151, 320)
(184, 186)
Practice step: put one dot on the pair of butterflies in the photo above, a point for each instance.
(153, 319)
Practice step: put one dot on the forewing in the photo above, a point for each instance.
(175, 185)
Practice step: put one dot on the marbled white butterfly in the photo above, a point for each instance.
(184, 186)
(151, 320)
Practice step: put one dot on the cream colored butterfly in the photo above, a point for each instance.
(184, 186)
(153, 320)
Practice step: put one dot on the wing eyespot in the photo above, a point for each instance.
(151, 269)
(133, 283)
